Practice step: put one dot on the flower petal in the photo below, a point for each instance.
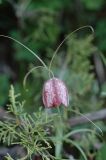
(55, 93)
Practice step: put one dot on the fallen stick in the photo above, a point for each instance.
(93, 116)
(4, 115)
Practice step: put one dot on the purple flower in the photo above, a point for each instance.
(55, 93)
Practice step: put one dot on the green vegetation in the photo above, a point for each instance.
(80, 62)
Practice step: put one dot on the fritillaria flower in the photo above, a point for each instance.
(55, 93)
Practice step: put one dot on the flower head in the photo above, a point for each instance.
(55, 93)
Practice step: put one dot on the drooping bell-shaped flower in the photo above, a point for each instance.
(55, 93)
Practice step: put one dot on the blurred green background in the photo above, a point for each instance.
(42, 25)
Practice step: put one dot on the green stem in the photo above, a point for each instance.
(27, 49)
(31, 70)
(59, 135)
(66, 38)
